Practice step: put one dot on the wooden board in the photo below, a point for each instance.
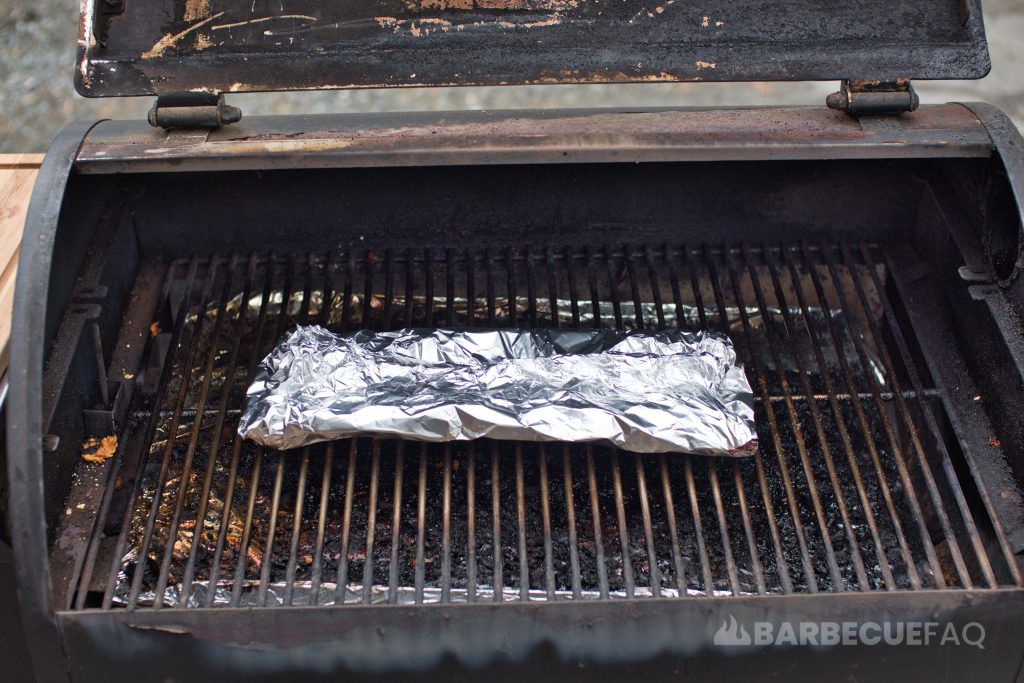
(17, 176)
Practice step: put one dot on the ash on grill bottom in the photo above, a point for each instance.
(851, 488)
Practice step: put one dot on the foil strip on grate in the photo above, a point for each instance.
(301, 594)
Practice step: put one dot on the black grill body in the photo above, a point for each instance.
(865, 268)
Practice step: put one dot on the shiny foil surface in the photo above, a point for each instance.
(670, 391)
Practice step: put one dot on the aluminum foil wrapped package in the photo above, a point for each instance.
(670, 391)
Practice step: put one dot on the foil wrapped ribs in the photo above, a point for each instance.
(668, 391)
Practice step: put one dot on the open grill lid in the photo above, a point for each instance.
(145, 47)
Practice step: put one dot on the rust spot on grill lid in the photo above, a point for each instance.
(170, 41)
(500, 5)
(196, 10)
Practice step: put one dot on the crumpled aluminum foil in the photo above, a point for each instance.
(303, 595)
(669, 391)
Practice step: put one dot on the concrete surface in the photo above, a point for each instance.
(37, 39)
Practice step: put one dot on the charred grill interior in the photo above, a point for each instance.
(863, 256)
(859, 484)
(871, 300)
(886, 401)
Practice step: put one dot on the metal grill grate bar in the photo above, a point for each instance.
(947, 465)
(846, 493)
(851, 458)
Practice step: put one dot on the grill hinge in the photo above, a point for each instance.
(874, 97)
(192, 110)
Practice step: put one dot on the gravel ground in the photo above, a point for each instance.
(37, 40)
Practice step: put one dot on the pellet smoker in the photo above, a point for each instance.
(863, 255)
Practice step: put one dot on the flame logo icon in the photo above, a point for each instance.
(731, 633)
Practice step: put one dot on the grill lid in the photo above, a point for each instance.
(131, 47)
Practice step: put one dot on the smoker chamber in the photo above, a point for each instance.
(834, 501)
(864, 258)
(884, 487)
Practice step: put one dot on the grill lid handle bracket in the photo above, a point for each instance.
(192, 110)
(858, 97)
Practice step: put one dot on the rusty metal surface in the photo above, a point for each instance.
(1009, 144)
(242, 46)
(25, 466)
(537, 136)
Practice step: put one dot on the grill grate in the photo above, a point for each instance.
(855, 487)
